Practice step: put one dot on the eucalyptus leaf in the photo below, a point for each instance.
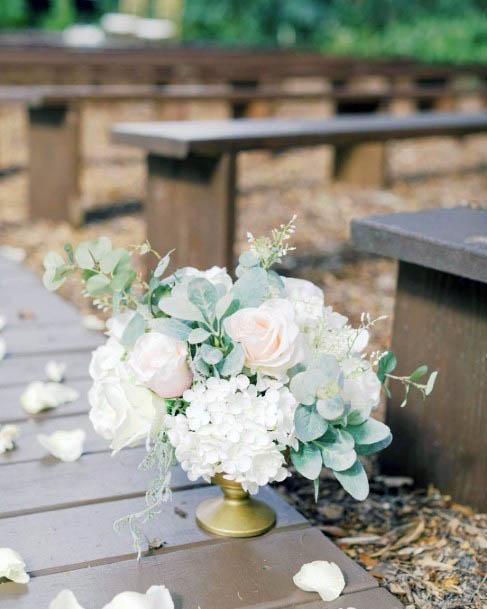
(331, 408)
(83, 256)
(337, 440)
(370, 449)
(304, 385)
(110, 260)
(197, 336)
(180, 307)
(223, 304)
(201, 366)
(354, 481)
(122, 280)
(171, 327)
(369, 432)
(308, 423)
(249, 259)
(135, 328)
(97, 285)
(252, 288)
(307, 460)
(99, 247)
(276, 284)
(53, 260)
(202, 293)
(234, 362)
(431, 382)
(418, 374)
(387, 365)
(338, 460)
(211, 355)
(162, 265)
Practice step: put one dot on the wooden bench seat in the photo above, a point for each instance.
(441, 317)
(190, 202)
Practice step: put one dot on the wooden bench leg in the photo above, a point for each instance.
(54, 163)
(191, 207)
(441, 320)
(361, 164)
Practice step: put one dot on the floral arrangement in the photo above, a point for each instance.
(241, 377)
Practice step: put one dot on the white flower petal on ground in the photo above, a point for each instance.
(3, 321)
(8, 435)
(16, 254)
(3, 348)
(65, 600)
(321, 576)
(40, 396)
(156, 597)
(92, 322)
(66, 446)
(12, 566)
(55, 371)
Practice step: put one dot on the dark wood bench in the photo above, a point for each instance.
(190, 202)
(440, 317)
(78, 502)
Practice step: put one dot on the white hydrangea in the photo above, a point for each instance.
(229, 428)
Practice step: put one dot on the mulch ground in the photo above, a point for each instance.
(427, 550)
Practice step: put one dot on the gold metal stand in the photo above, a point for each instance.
(236, 514)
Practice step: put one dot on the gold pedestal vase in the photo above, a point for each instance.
(236, 514)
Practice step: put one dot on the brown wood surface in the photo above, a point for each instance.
(191, 208)
(442, 320)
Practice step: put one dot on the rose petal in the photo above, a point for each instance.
(8, 435)
(55, 371)
(321, 576)
(3, 321)
(66, 446)
(156, 597)
(65, 600)
(92, 322)
(39, 396)
(12, 566)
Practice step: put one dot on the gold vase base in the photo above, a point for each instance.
(236, 514)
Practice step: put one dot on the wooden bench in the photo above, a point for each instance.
(441, 318)
(190, 202)
(59, 516)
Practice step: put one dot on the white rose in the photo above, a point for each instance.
(308, 302)
(122, 412)
(160, 362)
(105, 359)
(321, 576)
(361, 387)
(117, 324)
(156, 597)
(12, 566)
(216, 275)
(268, 334)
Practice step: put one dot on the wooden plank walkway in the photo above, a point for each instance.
(59, 516)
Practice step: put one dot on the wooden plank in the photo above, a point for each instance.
(11, 410)
(234, 574)
(442, 320)
(364, 165)
(54, 191)
(75, 533)
(179, 139)
(50, 339)
(371, 599)
(41, 485)
(29, 449)
(26, 304)
(18, 371)
(189, 203)
(449, 240)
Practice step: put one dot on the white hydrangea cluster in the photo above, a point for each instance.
(229, 428)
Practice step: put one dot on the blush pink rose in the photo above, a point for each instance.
(268, 334)
(160, 363)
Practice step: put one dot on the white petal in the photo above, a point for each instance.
(157, 597)
(3, 321)
(3, 348)
(12, 566)
(38, 396)
(65, 600)
(321, 576)
(55, 371)
(16, 254)
(92, 322)
(65, 445)
(8, 435)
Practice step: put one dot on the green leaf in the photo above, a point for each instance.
(369, 432)
(431, 383)
(111, 259)
(68, 248)
(276, 284)
(307, 460)
(162, 265)
(252, 288)
(337, 440)
(304, 385)
(180, 307)
(99, 247)
(197, 336)
(331, 408)
(97, 285)
(211, 355)
(171, 327)
(370, 449)
(53, 260)
(387, 365)
(83, 256)
(134, 329)
(418, 374)
(354, 481)
(338, 460)
(309, 424)
(249, 259)
(226, 306)
(234, 362)
(202, 293)
(316, 487)
(122, 280)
